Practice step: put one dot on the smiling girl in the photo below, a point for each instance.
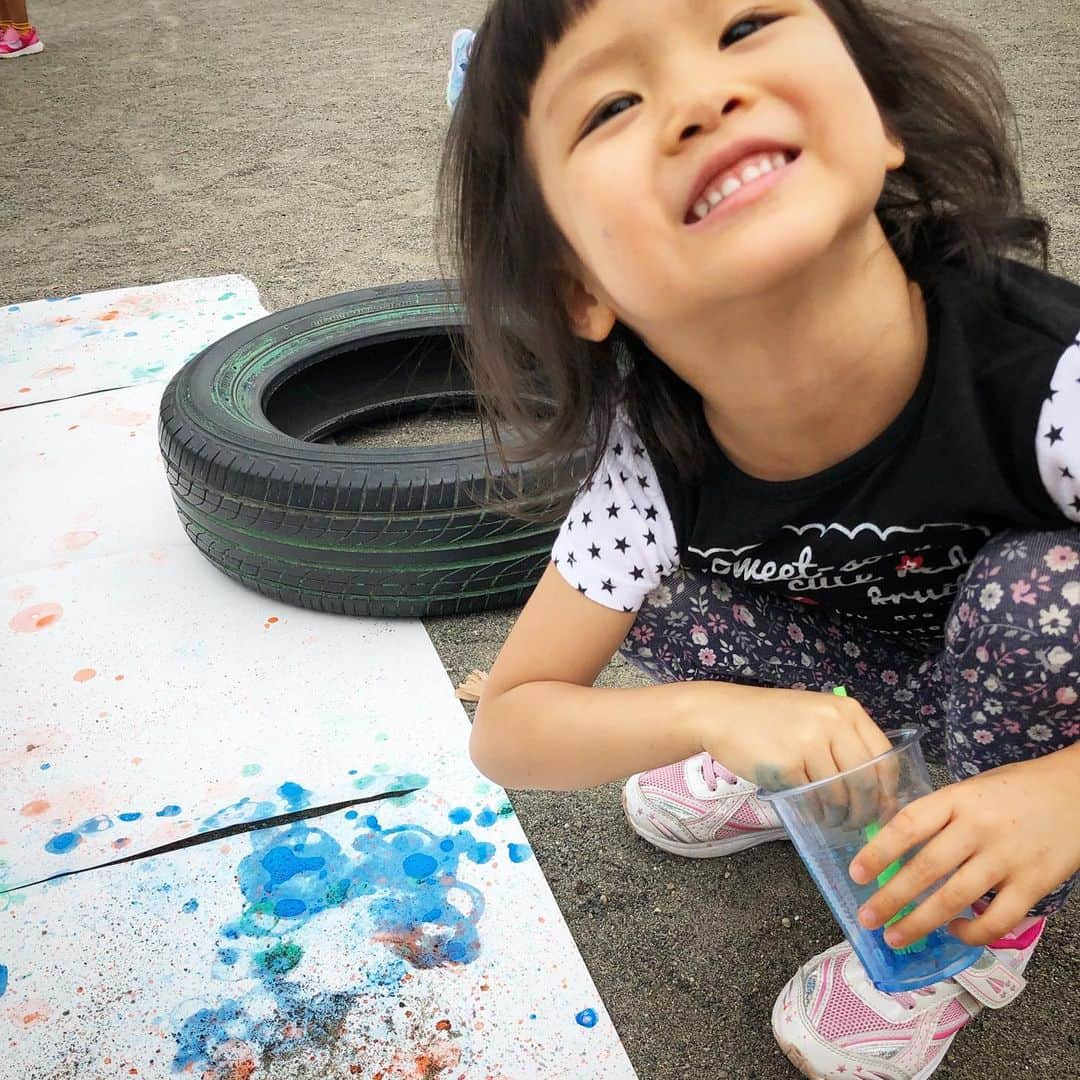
(758, 256)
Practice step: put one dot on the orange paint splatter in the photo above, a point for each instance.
(108, 316)
(85, 674)
(21, 594)
(35, 618)
(32, 809)
(73, 541)
(49, 373)
(24, 389)
(64, 320)
(443, 1025)
(136, 761)
(273, 619)
(122, 842)
(31, 1018)
(242, 1070)
(73, 427)
(118, 678)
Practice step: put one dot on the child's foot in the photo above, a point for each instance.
(459, 61)
(699, 809)
(832, 1023)
(14, 43)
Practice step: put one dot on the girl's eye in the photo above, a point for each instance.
(609, 110)
(745, 27)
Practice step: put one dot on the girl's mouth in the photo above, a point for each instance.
(741, 184)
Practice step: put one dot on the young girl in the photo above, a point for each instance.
(755, 253)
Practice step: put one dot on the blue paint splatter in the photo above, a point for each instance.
(147, 372)
(351, 815)
(292, 876)
(3, 979)
(129, 817)
(45, 766)
(101, 823)
(237, 814)
(168, 811)
(289, 908)
(459, 815)
(132, 333)
(519, 853)
(62, 844)
(486, 818)
(586, 1018)
(190, 906)
(296, 798)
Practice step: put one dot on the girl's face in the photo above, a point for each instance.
(647, 113)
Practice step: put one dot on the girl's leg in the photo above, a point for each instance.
(14, 11)
(1012, 658)
(699, 627)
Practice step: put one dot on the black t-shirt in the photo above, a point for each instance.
(989, 441)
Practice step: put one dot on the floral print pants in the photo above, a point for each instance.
(1002, 685)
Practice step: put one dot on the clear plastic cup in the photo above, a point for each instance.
(831, 820)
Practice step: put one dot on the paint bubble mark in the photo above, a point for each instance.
(62, 844)
(39, 617)
(586, 1018)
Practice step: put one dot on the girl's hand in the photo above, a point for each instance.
(786, 738)
(1014, 829)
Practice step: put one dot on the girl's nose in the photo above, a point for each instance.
(697, 113)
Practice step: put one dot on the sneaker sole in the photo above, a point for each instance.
(705, 849)
(459, 35)
(30, 50)
(795, 1055)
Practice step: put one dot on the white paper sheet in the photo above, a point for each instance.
(59, 348)
(146, 698)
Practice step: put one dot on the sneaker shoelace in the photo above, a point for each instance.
(712, 770)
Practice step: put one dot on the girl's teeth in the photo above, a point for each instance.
(713, 197)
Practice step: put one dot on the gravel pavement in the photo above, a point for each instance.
(154, 141)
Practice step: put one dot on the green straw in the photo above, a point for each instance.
(886, 875)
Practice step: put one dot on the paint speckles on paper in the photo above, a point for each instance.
(39, 617)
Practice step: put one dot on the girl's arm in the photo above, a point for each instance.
(540, 723)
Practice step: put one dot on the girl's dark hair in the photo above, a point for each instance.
(957, 197)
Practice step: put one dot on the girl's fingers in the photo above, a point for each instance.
(916, 822)
(950, 850)
(860, 791)
(961, 890)
(1005, 912)
(820, 764)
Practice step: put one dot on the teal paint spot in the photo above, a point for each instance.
(132, 333)
(129, 817)
(353, 772)
(227, 296)
(381, 737)
(419, 866)
(45, 766)
(168, 811)
(251, 770)
(13, 308)
(228, 318)
(146, 372)
(62, 844)
(459, 815)
(3, 970)
(586, 1018)
(351, 815)
(190, 906)
(281, 959)
(486, 818)
(228, 956)
(53, 299)
(520, 853)
(506, 810)
(363, 782)
(72, 299)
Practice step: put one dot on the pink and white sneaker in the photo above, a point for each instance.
(15, 44)
(699, 809)
(831, 1022)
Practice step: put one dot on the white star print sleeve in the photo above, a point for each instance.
(618, 540)
(1057, 443)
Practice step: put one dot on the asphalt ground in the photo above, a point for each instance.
(298, 146)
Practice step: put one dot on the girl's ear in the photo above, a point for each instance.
(590, 317)
(896, 155)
